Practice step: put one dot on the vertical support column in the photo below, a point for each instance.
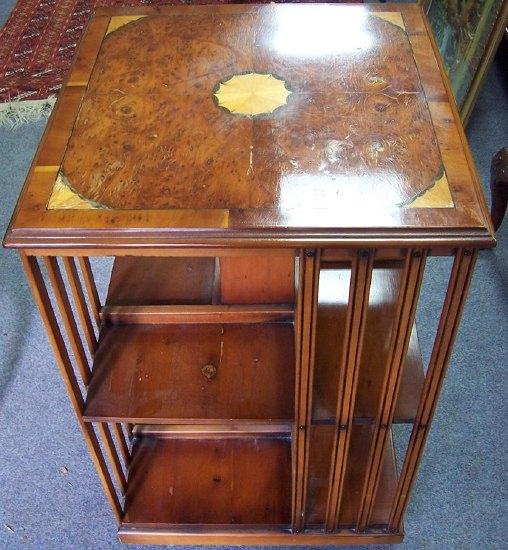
(361, 274)
(43, 302)
(305, 332)
(447, 329)
(414, 266)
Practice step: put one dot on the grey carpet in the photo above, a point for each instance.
(5, 9)
(50, 496)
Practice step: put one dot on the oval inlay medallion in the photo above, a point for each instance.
(251, 94)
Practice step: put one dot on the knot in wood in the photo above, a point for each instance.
(209, 371)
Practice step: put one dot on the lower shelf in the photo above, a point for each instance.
(230, 491)
(226, 481)
(210, 481)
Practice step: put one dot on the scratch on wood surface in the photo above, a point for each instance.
(250, 169)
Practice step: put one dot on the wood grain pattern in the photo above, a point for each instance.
(372, 120)
(154, 373)
(169, 479)
(157, 281)
(257, 280)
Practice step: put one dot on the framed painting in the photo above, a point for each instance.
(467, 33)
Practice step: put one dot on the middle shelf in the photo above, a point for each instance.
(192, 373)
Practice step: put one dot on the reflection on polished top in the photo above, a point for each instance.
(249, 117)
(356, 127)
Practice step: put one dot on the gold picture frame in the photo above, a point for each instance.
(467, 33)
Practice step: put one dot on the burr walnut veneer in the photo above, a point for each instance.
(271, 182)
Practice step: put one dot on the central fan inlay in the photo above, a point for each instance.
(251, 94)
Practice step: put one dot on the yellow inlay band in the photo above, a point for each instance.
(46, 169)
(438, 196)
(64, 198)
(120, 20)
(394, 17)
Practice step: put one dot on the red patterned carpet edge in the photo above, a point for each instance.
(37, 45)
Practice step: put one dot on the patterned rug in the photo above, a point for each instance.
(37, 45)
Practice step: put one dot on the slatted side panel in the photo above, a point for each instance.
(368, 495)
(349, 363)
(305, 329)
(455, 298)
(107, 443)
(403, 322)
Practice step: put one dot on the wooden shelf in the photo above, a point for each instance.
(154, 373)
(319, 471)
(333, 298)
(209, 481)
(117, 393)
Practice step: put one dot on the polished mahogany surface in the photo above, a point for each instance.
(252, 122)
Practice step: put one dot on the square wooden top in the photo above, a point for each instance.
(252, 126)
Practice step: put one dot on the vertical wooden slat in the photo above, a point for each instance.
(122, 443)
(79, 300)
(447, 329)
(295, 495)
(305, 330)
(43, 302)
(110, 449)
(403, 322)
(64, 305)
(361, 274)
(91, 289)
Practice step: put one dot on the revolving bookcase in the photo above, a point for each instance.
(270, 184)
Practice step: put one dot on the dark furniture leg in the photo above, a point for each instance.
(499, 186)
